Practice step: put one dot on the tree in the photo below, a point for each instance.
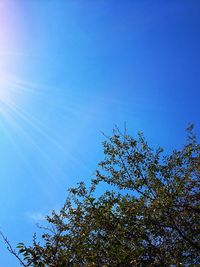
(148, 215)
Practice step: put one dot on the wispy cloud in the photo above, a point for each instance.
(36, 217)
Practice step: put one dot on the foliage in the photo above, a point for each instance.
(148, 215)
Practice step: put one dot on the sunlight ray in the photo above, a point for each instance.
(24, 122)
(20, 86)
(39, 129)
(4, 126)
(45, 159)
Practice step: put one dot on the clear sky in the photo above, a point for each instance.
(70, 69)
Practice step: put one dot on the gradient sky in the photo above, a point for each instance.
(70, 69)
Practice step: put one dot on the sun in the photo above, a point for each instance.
(11, 28)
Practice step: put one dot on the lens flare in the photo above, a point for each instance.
(23, 103)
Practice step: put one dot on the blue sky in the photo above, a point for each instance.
(70, 69)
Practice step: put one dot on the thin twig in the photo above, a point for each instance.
(11, 250)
